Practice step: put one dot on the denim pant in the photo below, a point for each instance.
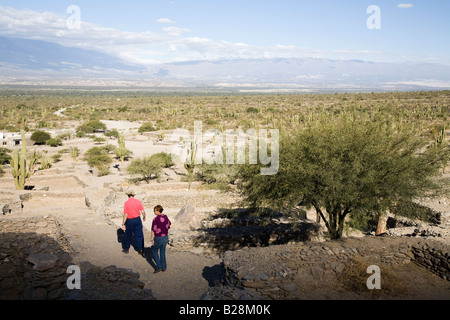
(134, 226)
(160, 245)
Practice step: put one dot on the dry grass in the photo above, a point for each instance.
(354, 278)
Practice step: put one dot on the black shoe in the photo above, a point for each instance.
(158, 270)
(125, 251)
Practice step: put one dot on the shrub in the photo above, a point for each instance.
(147, 127)
(54, 142)
(164, 159)
(97, 157)
(99, 140)
(148, 167)
(112, 133)
(91, 126)
(40, 137)
(4, 156)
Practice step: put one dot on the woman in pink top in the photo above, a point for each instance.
(160, 238)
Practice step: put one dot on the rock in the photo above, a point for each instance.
(337, 267)
(187, 218)
(316, 272)
(289, 287)
(42, 262)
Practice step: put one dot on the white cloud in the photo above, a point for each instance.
(165, 20)
(170, 44)
(405, 5)
(175, 31)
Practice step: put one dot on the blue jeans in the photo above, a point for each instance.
(160, 245)
(133, 226)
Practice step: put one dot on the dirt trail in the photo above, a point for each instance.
(96, 240)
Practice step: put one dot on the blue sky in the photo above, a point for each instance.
(174, 30)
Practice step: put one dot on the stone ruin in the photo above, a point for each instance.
(34, 262)
(34, 254)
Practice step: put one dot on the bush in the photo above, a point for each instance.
(97, 157)
(146, 127)
(40, 137)
(164, 159)
(99, 140)
(149, 167)
(4, 156)
(54, 142)
(91, 126)
(112, 133)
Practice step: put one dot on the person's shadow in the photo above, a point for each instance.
(147, 251)
(121, 239)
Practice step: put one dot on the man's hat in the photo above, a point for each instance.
(130, 193)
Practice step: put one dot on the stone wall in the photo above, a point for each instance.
(33, 264)
(435, 258)
(270, 272)
(35, 255)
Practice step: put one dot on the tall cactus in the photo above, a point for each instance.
(19, 165)
(189, 163)
(121, 151)
(441, 141)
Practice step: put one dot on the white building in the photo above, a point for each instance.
(10, 139)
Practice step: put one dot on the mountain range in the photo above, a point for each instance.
(40, 61)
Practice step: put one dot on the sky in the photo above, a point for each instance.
(159, 31)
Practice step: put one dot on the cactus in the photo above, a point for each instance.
(45, 162)
(441, 140)
(19, 165)
(33, 162)
(121, 151)
(74, 152)
(189, 164)
(441, 137)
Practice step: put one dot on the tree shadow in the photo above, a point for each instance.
(250, 228)
(214, 275)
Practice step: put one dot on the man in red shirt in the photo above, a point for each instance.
(132, 223)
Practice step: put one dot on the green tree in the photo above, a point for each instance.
(164, 158)
(146, 127)
(347, 166)
(91, 126)
(99, 140)
(98, 157)
(40, 137)
(147, 168)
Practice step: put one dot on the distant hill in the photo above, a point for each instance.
(42, 55)
(305, 72)
(37, 60)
